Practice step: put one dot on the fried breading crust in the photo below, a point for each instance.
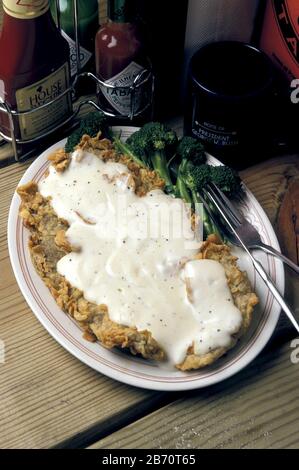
(48, 244)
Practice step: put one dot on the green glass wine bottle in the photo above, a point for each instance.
(88, 15)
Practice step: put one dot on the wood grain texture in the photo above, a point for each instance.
(47, 396)
(269, 182)
(257, 408)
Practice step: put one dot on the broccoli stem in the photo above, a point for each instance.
(208, 224)
(182, 190)
(124, 149)
(159, 163)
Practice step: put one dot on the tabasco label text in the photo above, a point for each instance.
(280, 35)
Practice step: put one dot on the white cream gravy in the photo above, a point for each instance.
(142, 279)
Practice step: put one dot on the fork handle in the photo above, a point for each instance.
(268, 281)
(272, 251)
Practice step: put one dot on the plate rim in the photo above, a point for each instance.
(232, 369)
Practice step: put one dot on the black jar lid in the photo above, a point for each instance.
(231, 71)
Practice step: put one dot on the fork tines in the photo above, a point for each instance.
(219, 202)
(237, 216)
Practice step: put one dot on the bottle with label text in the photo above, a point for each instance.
(34, 68)
(279, 38)
(88, 23)
(280, 35)
(120, 59)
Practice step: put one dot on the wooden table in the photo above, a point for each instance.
(50, 399)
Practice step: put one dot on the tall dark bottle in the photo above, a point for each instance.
(88, 23)
(120, 58)
(34, 68)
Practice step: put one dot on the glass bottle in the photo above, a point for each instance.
(120, 58)
(88, 23)
(34, 68)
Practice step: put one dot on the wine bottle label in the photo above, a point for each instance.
(25, 9)
(85, 55)
(33, 96)
(217, 135)
(120, 98)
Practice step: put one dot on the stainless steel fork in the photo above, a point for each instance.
(249, 233)
(220, 203)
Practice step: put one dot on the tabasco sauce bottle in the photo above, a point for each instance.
(120, 58)
(279, 38)
(34, 68)
(280, 35)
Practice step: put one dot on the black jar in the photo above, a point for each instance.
(230, 101)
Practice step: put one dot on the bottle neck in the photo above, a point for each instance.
(119, 11)
(28, 10)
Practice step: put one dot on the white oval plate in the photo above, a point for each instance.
(122, 366)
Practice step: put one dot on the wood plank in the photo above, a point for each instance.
(48, 396)
(257, 408)
(269, 182)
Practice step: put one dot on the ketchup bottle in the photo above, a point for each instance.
(34, 68)
(120, 58)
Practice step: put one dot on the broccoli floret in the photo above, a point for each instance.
(160, 144)
(191, 153)
(191, 150)
(226, 179)
(195, 178)
(193, 174)
(189, 178)
(125, 149)
(89, 125)
(153, 145)
(137, 144)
